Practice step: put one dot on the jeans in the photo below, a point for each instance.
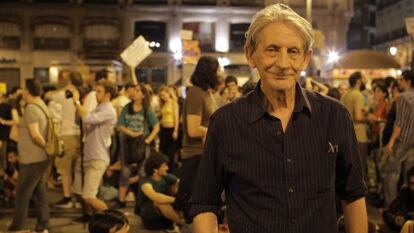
(403, 155)
(31, 183)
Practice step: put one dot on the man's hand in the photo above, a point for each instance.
(75, 94)
(389, 148)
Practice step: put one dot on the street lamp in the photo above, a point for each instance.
(333, 57)
(393, 50)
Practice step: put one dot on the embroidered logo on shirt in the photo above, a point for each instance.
(333, 148)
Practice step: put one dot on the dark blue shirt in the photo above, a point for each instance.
(275, 181)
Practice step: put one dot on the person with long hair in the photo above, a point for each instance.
(198, 107)
(136, 119)
(169, 116)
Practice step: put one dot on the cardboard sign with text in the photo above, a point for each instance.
(136, 52)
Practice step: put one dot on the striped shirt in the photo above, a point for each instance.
(405, 117)
(275, 181)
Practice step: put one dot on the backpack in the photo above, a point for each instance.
(54, 142)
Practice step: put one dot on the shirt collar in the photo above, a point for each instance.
(256, 100)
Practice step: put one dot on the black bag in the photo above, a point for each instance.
(134, 149)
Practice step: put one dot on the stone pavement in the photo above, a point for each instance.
(62, 219)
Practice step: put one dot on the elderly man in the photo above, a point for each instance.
(281, 153)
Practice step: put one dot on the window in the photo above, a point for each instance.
(101, 38)
(237, 36)
(41, 74)
(152, 2)
(247, 2)
(51, 37)
(153, 31)
(156, 76)
(199, 2)
(203, 32)
(10, 35)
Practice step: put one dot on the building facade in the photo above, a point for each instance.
(392, 35)
(40, 37)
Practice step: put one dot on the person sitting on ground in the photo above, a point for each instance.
(402, 208)
(109, 221)
(155, 195)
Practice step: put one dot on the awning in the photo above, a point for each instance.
(366, 59)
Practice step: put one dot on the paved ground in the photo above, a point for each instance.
(62, 219)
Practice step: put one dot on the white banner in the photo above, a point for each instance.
(136, 52)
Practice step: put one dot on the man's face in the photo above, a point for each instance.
(411, 183)
(130, 92)
(63, 78)
(25, 94)
(162, 171)
(100, 94)
(232, 86)
(404, 84)
(279, 56)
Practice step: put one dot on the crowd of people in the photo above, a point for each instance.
(271, 156)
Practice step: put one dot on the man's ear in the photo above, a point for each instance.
(248, 53)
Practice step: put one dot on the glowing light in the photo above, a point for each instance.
(393, 50)
(399, 72)
(178, 55)
(157, 45)
(222, 45)
(333, 57)
(175, 45)
(152, 44)
(303, 73)
(223, 61)
(53, 74)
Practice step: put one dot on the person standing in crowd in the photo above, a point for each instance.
(198, 107)
(70, 132)
(5, 115)
(356, 104)
(400, 148)
(281, 153)
(233, 87)
(136, 119)
(33, 160)
(98, 127)
(125, 95)
(169, 125)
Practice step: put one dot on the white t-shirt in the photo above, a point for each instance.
(69, 126)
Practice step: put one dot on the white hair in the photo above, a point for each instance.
(278, 13)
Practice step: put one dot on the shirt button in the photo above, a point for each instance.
(293, 221)
(290, 190)
(279, 132)
(288, 160)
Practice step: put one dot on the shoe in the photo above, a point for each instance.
(119, 205)
(77, 205)
(65, 203)
(173, 229)
(83, 219)
(41, 231)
